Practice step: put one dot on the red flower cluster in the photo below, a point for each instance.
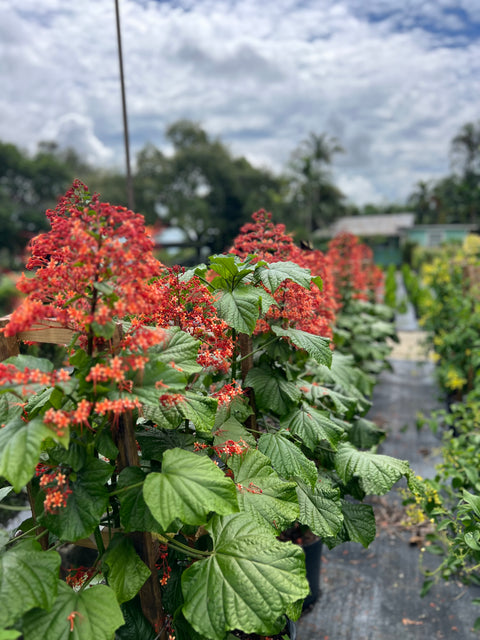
(229, 447)
(55, 485)
(227, 393)
(353, 270)
(91, 268)
(162, 564)
(312, 311)
(78, 576)
(190, 306)
(9, 374)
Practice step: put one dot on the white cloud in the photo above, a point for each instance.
(77, 131)
(259, 75)
(358, 189)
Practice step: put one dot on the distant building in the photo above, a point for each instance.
(388, 233)
(431, 235)
(384, 233)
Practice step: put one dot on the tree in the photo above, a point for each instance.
(465, 154)
(465, 150)
(28, 186)
(317, 199)
(454, 198)
(201, 188)
(421, 200)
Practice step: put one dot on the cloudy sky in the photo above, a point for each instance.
(393, 80)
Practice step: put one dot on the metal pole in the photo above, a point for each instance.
(130, 201)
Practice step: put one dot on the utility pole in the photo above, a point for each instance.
(130, 200)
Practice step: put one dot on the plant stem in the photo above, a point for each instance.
(206, 282)
(234, 356)
(183, 548)
(146, 547)
(246, 362)
(131, 486)
(99, 540)
(42, 532)
(22, 535)
(251, 353)
(11, 507)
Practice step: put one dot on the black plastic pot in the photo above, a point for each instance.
(292, 630)
(313, 562)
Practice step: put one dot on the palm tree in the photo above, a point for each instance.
(465, 149)
(312, 183)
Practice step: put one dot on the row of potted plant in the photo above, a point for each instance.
(450, 285)
(445, 292)
(198, 416)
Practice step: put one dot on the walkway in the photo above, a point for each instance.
(373, 594)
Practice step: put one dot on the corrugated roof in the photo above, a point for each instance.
(388, 224)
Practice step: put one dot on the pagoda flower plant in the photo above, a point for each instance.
(192, 422)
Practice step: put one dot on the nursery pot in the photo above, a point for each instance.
(292, 630)
(313, 560)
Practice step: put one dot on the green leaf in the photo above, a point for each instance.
(96, 615)
(105, 444)
(248, 581)
(266, 301)
(312, 426)
(318, 395)
(28, 578)
(365, 434)
(10, 408)
(272, 391)
(184, 630)
(234, 430)
(226, 266)
(158, 372)
(125, 573)
(471, 539)
(154, 441)
(427, 585)
(52, 396)
(179, 347)
(4, 491)
(134, 513)
(199, 409)
(472, 500)
(136, 626)
(275, 273)
(4, 538)
(287, 459)
(240, 308)
(262, 492)
(320, 508)
(377, 473)
(20, 446)
(359, 522)
(103, 330)
(9, 634)
(104, 287)
(85, 505)
(316, 346)
(23, 362)
(189, 487)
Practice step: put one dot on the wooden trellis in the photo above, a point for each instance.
(46, 331)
